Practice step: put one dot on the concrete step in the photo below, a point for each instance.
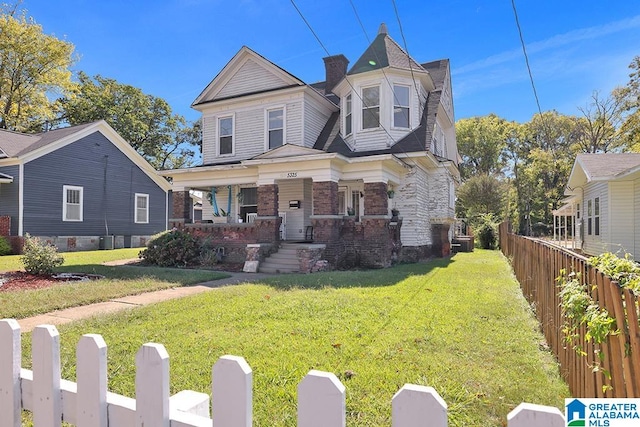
(292, 261)
(266, 267)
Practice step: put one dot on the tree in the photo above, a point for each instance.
(597, 129)
(481, 142)
(481, 195)
(629, 97)
(34, 71)
(145, 121)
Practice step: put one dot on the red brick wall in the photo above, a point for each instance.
(268, 200)
(181, 208)
(375, 198)
(325, 198)
(5, 225)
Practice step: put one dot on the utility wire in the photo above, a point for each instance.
(526, 57)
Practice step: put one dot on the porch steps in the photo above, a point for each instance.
(283, 261)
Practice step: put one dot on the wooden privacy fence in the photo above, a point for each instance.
(87, 403)
(536, 265)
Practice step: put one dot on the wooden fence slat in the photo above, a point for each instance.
(623, 335)
(632, 306)
(418, 406)
(91, 373)
(152, 386)
(10, 363)
(47, 403)
(529, 415)
(321, 400)
(232, 385)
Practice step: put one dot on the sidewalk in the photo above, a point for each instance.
(67, 315)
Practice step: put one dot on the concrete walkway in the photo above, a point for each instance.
(67, 315)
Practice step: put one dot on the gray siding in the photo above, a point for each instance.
(621, 215)
(9, 196)
(109, 180)
(314, 122)
(251, 77)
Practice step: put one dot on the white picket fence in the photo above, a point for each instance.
(87, 403)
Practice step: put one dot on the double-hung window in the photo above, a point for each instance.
(276, 127)
(348, 116)
(596, 216)
(371, 107)
(142, 208)
(225, 135)
(401, 106)
(72, 198)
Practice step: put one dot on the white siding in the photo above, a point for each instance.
(294, 123)
(621, 214)
(410, 200)
(292, 190)
(208, 139)
(636, 219)
(251, 77)
(314, 122)
(595, 245)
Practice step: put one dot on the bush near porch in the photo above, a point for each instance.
(460, 325)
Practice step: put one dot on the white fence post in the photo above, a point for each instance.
(232, 392)
(47, 401)
(529, 415)
(418, 406)
(91, 373)
(152, 386)
(10, 363)
(321, 400)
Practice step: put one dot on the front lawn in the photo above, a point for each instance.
(13, 263)
(458, 325)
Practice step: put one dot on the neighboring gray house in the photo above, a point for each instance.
(327, 165)
(603, 204)
(80, 187)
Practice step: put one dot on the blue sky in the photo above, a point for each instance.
(174, 48)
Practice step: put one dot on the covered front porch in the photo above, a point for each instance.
(319, 198)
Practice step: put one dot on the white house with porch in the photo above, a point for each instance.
(364, 164)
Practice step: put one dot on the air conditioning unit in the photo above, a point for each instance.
(106, 242)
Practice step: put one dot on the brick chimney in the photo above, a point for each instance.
(335, 68)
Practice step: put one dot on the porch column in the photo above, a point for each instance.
(326, 221)
(375, 198)
(267, 222)
(181, 209)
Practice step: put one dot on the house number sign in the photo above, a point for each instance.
(292, 174)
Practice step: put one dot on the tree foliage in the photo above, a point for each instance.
(629, 98)
(481, 142)
(145, 121)
(597, 129)
(34, 72)
(480, 195)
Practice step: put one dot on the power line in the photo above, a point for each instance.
(526, 57)
(406, 48)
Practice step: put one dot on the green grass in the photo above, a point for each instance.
(459, 325)
(13, 263)
(119, 281)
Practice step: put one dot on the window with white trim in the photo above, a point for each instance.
(589, 217)
(225, 136)
(401, 106)
(348, 116)
(72, 198)
(596, 216)
(371, 107)
(275, 127)
(142, 208)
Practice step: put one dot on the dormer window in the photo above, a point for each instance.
(371, 107)
(225, 135)
(401, 106)
(348, 116)
(276, 127)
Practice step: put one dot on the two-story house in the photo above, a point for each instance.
(364, 164)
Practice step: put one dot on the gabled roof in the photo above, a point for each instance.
(601, 167)
(384, 52)
(25, 148)
(248, 62)
(287, 150)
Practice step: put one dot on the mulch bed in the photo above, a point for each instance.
(20, 280)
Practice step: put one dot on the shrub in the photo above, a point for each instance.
(5, 246)
(209, 255)
(40, 257)
(487, 231)
(172, 249)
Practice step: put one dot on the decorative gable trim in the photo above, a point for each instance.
(245, 63)
(288, 150)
